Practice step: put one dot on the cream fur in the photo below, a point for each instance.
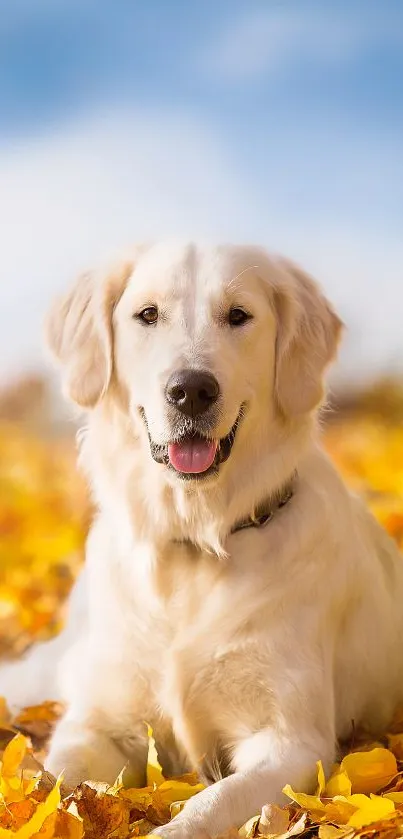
(251, 651)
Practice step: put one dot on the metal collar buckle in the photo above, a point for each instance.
(264, 515)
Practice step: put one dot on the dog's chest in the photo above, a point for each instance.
(202, 655)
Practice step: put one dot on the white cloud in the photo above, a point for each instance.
(268, 41)
(76, 196)
(71, 198)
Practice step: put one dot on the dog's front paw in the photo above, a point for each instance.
(86, 756)
(74, 764)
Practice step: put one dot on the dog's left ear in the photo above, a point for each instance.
(308, 336)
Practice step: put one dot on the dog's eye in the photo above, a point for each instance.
(149, 315)
(237, 317)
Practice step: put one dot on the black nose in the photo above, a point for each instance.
(192, 391)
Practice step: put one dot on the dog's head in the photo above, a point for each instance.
(199, 345)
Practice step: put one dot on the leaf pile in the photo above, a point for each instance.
(34, 805)
(362, 797)
(44, 516)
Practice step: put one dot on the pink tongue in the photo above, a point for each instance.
(192, 456)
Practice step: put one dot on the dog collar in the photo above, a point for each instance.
(265, 511)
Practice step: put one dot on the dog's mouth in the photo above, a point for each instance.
(193, 455)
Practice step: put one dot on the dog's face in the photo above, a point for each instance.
(195, 334)
(204, 343)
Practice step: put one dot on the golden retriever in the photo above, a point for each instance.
(235, 595)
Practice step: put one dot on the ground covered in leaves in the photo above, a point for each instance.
(44, 516)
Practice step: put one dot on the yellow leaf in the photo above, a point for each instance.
(29, 784)
(172, 791)
(249, 830)
(15, 814)
(13, 756)
(308, 802)
(12, 786)
(47, 830)
(339, 810)
(38, 720)
(369, 771)
(338, 784)
(330, 831)
(35, 823)
(176, 808)
(103, 815)
(397, 797)
(321, 779)
(273, 820)
(154, 768)
(139, 798)
(174, 794)
(371, 810)
(298, 826)
(358, 800)
(141, 828)
(69, 825)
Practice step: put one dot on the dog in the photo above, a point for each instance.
(235, 594)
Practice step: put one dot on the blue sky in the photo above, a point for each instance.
(279, 121)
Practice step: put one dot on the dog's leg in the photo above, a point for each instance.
(95, 741)
(103, 728)
(233, 800)
(83, 752)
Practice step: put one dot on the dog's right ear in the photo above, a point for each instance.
(78, 332)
